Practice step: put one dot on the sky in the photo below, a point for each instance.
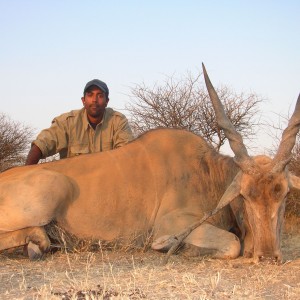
(50, 49)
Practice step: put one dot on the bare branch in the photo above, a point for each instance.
(14, 142)
(184, 103)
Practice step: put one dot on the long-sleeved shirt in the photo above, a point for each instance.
(71, 134)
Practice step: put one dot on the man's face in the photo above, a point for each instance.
(94, 101)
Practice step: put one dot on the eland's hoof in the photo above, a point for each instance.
(34, 252)
(163, 243)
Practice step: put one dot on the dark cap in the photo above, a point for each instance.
(100, 84)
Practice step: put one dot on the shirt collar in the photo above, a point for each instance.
(86, 122)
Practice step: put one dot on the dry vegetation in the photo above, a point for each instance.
(184, 103)
(15, 139)
(111, 274)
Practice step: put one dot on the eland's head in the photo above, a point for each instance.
(263, 184)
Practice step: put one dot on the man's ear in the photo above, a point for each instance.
(107, 99)
(83, 100)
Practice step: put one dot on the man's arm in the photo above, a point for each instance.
(49, 141)
(123, 135)
(34, 155)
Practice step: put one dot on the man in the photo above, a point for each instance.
(94, 128)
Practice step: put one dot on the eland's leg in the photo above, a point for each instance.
(36, 238)
(204, 240)
(31, 198)
(210, 240)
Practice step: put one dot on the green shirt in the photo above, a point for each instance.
(71, 134)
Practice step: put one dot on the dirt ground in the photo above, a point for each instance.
(137, 275)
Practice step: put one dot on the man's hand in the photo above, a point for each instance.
(34, 155)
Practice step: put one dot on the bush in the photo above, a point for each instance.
(15, 141)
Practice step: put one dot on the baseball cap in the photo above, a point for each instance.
(100, 84)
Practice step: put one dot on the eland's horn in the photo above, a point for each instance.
(235, 139)
(287, 143)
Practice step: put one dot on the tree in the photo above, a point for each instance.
(15, 140)
(184, 103)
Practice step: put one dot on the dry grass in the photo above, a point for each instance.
(111, 274)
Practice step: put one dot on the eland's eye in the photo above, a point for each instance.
(277, 188)
(279, 191)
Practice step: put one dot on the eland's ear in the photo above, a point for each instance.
(294, 181)
(232, 191)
